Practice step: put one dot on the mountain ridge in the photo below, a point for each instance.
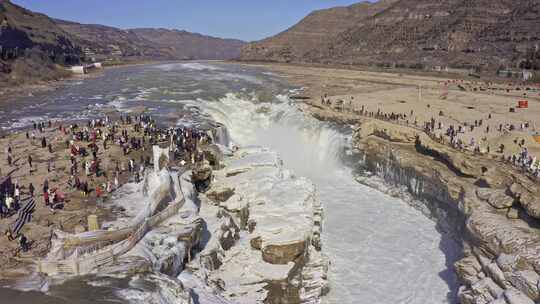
(154, 43)
(312, 31)
(35, 47)
(415, 33)
(32, 46)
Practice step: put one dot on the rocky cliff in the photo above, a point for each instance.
(490, 207)
(185, 45)
(311, 33)
(108, 41)
(31, 44)
(412, 33)
(148, 43)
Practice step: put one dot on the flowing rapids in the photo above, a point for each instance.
(381, 249)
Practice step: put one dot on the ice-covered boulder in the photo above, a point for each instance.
(277, 256)
(155, 289)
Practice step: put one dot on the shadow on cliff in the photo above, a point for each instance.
(452, 252)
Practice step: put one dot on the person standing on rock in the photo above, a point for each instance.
(3, 209)
(87, 168)
(116, 168)
(84, 188)
(23, 242)
(46, 185)
(43, 142)
(31, 189)
(30, 162)
(116, 183)
(46, 197)
(17, 194)
(98, 191)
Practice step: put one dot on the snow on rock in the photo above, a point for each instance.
(264, 226)
(167, 246)
(155, 289)
(139, 201)
(160, 256)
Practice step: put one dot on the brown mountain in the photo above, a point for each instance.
(148, 43)
(35, 47)
(185, 45)
(109, 42)
(458, 33)
(311, 33)
(31, 45)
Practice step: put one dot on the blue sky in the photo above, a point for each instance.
(243, 19)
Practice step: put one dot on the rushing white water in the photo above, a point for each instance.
(381, 249)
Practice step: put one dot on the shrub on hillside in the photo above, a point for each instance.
(31, 69)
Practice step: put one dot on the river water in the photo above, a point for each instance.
(381, 249)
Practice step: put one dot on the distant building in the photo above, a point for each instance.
(527, 75)
(115, 50)
(524, 75)
(458, 71)
(78, 69)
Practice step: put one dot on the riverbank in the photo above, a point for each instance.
(489, 205)
(11, 92)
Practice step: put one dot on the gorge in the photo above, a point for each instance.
(364, 233)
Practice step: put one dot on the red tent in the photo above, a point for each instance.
(523, 104)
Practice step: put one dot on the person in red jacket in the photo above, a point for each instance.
(98, 191)
(46, 198)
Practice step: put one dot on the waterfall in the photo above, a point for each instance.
(378, 244)
(306, 145)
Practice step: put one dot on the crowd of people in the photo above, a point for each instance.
(454, 134)
(93, 172)
(10, 198)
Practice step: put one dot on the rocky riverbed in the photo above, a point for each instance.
(489, 206)
(264, 232)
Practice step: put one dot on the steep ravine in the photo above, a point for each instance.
(486, 205)
(371, 238)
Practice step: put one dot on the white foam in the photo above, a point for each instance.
(25, 122)
(188, 66)
(382, 250)
(118, 102)
(193, 92)
(238, 77)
